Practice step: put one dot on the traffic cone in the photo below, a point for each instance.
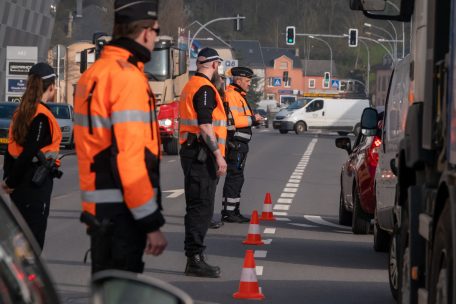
(248, 287)
(254, 236)
(267, 214)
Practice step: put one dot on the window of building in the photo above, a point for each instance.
(312, 83)
(270, 81)
(283, 65)
(270, 96)
(287, 82)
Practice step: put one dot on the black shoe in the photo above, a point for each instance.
(234, 217)
(215, 224)
(197, 267)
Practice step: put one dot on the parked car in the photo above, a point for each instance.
(6, 114)
(396, 109)
(24, 277)
(64, 114)
(264, 114)
(320, 113)
(357, 180)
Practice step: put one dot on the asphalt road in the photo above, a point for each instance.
(310, 259)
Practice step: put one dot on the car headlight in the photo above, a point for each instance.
(289, 114)
(165, 122)
(65, 129)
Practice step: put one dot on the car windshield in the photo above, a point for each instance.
(7, 110)
(60, 112)
(298, 104)
(260, 111)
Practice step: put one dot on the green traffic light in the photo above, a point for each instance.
(290, 40)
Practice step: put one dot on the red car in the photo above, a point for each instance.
(357, 181)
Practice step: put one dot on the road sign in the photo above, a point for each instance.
(19, 68)
(14, 98)
(16, 85)
(276, 82)
(230, 63)
(335, 84)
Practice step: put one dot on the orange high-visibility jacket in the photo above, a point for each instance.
(241, 112)
(189, 118)
(117, 140)
(51, 151)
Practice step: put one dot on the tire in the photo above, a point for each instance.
(357, 129)
(342, 133)
(360, 221)
(171, 146)
(283, 131)
(345, 216)
(403, 254)
(300, 127)
(393, 271)
(381, 239)
(441, 262)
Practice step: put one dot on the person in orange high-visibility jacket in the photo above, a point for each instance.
(34, 131)
(118, 145)
(239, 136)
(202, 136)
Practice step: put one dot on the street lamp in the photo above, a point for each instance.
(369, 25)
(403, 27)
(368, 67)
(330, 50)
(380, 38)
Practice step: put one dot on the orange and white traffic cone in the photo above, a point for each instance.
(254, 236)
(248, 287)
(267, 214)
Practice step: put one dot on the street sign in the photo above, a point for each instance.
(16, 85)
(230, 63)
(19, 68)
(286, 92)
(14, 98)
(335, 84)
(276, 82)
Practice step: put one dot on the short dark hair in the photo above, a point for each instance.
(131, 30)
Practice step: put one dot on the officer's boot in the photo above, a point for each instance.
(233, 216)
(197, 267)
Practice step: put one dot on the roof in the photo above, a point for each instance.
(318, 67)
(271, 53)
(248, 53)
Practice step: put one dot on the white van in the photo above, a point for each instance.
(341, 115)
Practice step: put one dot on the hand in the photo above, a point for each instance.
(258, 117)
(7, 189)
(221, 165)
(156, 243)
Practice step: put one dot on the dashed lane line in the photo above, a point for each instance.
(269, 230)
(288, 195)
(260, 254)
(293, 190)
(303, 225)
(283, 219)
(281, 207)
(319, 220)
(284, 200)
(292, 185)
(280, 213)
(259, 270)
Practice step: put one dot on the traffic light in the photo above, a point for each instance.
(326, 79)
(353, 37)
(291, 35)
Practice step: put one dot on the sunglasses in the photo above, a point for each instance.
(156, 30)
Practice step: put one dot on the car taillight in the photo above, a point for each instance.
(373, 151)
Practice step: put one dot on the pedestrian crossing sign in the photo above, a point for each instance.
(276, 82)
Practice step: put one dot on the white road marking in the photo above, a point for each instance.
(296, 177)
(285, 200)
(259, 270)
(269, 231)
(279, 213)
(303, 225)
(293, 180)
(171, 161)
(292, 185)
(318, 220)
(287, 195)
(174, 193)
(283, 219)
(290, 190)
(281, 207)
(267, 241)
(260, 253)
(264, 131)
(299, 170)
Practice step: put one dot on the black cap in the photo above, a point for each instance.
(43, 70)
(242, 72)
(127, 11)
(208, 55)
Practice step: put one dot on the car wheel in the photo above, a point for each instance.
(345, 216)
(393, 270)
(283, 131)
(403, 254)
(300, 127)
(360, 221)
(441, 262)
(381, 239)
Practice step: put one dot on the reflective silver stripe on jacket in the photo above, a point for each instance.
(219, 123)
(242, 135)
(236, 108)
(189, 122)
(97, 121)
(131, 116)
(102, 196)
(249, 119)
(221, 141)
(146, 209)
(231, 128)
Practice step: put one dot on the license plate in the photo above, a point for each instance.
(276, 124)
(3, 140)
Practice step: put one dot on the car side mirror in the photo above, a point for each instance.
(369, 122)
(119, 287)
(344, 143)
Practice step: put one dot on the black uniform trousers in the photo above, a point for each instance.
(119, 244)
(236, 157)
(33, 203)
(200, 187)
